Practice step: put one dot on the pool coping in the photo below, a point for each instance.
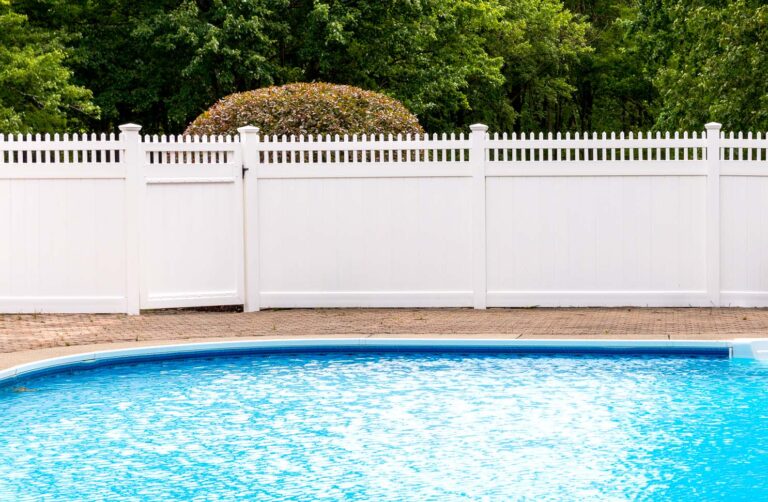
(745, 348)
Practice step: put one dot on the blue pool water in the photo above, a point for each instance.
(390, 427)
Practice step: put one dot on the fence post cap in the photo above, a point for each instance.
(713, 126)
(130, 127)
(249, 129)
(478, 127)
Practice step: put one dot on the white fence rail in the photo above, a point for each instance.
(105, 224)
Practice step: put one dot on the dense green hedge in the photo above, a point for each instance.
(315, 108)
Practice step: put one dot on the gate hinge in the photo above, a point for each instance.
(244, 170)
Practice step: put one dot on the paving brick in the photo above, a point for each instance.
(27, 332)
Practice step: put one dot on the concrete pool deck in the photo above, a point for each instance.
(25, 338)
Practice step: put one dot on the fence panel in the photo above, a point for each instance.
(597, 221)
(63, 236)
(361, 222)
(744, 205)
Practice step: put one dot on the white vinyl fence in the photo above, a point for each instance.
(105, 224)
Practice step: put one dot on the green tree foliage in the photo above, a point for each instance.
(36, 89)
(426, 53)
(541, 46)
(715, 63)
(162, 62)
(614, 82)
(675, 64)
(452, 62)
(513, 64)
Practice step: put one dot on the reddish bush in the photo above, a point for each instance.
(316, 108)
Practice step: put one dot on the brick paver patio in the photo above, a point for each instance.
(28, 332)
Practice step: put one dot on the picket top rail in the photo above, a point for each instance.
(334, 154)
(744, 149)
(363, 144)
(406, 154)
(45, 149)
(18, 149)
(189, 139)
(47, 137)
(190, 150)
(346, 138)
(435, 154)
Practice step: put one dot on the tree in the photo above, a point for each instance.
(503, 62)
(36, 89)
(452, 62)
(541, 46)
(615, 81)
(427, 53)
(716, 59)
(161, 62)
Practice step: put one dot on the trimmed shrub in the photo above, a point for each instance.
(304, 108)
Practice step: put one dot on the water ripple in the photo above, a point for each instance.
(390, 427)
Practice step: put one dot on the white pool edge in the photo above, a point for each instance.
(743, 348)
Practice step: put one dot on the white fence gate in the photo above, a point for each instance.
(191, 202)
(111, 224)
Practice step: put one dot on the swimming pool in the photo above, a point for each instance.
(440, 424)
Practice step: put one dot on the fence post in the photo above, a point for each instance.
(477, 155)
(129, 136)
(713, 212)
(249, 143)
